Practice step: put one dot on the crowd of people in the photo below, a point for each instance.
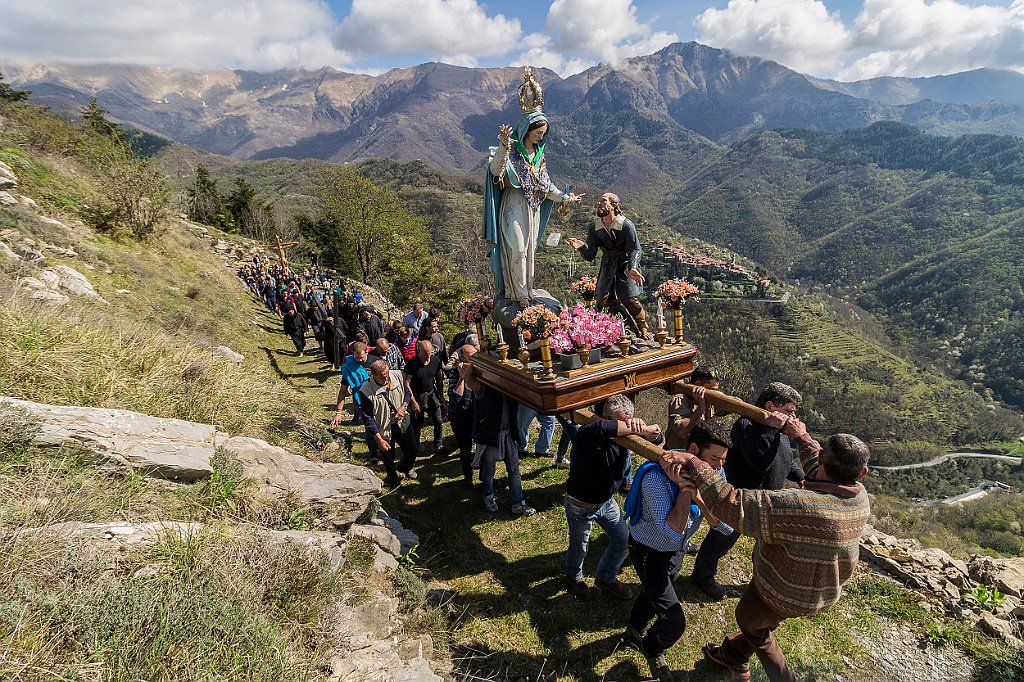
(399, 377)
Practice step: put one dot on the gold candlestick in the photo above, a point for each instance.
(485, 343)
(677, 323)
(502, 352)
(661, 336)
(545, 359)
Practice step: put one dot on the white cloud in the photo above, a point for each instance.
(888, 37)
(253, 34)
(918, 38)
(801, 34)
(581, 33)
(455, 31)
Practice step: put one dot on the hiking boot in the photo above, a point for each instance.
(713, 653)
(659, 668)
(523, 509)
(490, 504)
(634, 637)
(579, 589)
(615, 589)
(562, 463)
(710, 588)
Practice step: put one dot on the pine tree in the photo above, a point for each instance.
(9, 94)
(204, 204)
(94, 119)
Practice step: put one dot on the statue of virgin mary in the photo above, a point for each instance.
(518, 198)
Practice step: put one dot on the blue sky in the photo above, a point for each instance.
(845, 39)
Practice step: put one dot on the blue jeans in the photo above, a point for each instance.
(547, 429)
(515, 483)
(568, 431)
(581, 520)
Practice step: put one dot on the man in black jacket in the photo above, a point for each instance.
(760, 458)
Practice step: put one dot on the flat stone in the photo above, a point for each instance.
(1006, 575)
(7, 199)
(379, 535)
(342, 490)
(384, 562)
(7, 177)
(406, 537)
(6, 252)
(49, 296)
(229, 354)
(27, 202)
(997, 627)
(421, 647)
(75, 282)
(165, 448)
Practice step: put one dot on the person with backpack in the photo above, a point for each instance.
(662, 519)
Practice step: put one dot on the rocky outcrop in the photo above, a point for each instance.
(53, 284)
(231, 355)
(182, 450)
(165, 448)
(8, 180)
(343, 491)
(949, 584)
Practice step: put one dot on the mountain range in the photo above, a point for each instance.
(648, 114)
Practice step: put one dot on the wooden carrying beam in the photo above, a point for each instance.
(640, 446)
(723, 402)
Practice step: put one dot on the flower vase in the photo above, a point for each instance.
(624, 344)
(588, 298)
(677, 323)
(584, 353)
(545, 358)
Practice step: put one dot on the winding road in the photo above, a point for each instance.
(948, 456)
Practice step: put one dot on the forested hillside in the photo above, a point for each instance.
(923, 231)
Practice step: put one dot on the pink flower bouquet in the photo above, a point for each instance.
(584, 327)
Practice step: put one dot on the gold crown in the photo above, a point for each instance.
(531, 97)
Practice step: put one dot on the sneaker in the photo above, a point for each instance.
(634, 637)
(579, 589)
(714, 654)
(411, 474)
(710, 588)
(490, 504)
(659, 668)
(523, 509)
(561, 463)
(614, 589)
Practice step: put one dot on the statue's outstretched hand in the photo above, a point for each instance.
(573, 198)
(635, 275)
(505, 134)
(575, 243)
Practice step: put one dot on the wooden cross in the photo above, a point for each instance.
(280, 246)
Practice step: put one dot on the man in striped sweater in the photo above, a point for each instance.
(807, 542)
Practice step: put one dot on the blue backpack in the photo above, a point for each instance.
(631, 509)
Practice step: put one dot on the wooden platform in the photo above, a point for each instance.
(584, 387)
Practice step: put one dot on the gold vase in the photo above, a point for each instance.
(545, 359)
(584, 353)
(624, 345)
(524, 358)
(677, 323)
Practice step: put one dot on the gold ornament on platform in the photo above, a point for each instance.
(531, 97)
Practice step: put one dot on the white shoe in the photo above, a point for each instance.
(561, 463)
